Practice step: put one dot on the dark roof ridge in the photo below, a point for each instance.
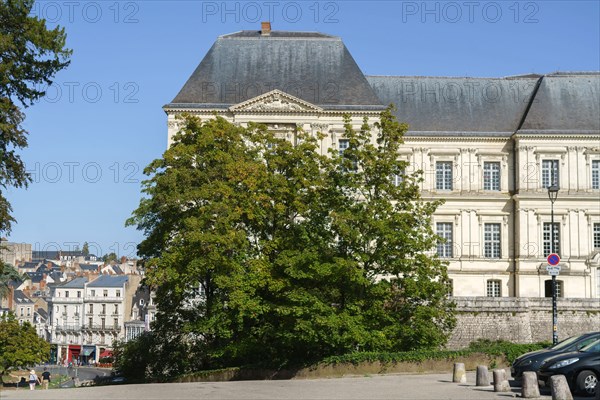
(276, 34)
(573, 73)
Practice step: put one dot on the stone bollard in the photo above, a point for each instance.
(459, 375)
(530, 389)
(500, 381)
(560, 388)
(483, 376)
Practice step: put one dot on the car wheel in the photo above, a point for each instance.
(587, 382)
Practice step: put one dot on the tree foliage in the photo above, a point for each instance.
(20, 346)
(312, 254)
(109, 257)
(30, 55)
(7, 273)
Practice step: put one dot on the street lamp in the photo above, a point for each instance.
(552, 195)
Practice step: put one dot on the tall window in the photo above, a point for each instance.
(595, 174)
(103, 309)
(491, 241)
(549, 173)
(66, 293)
(548, 288)
(93, 293)
(105, 292)
(444, 230)
(79, 293)
(343, 145)
(443, 175)
(91, 308)
(491, 176)
(396, 179)
(118, 293)
(596, 235)
(90, 322)
(116, 309)
(493, 288)
(548, 248)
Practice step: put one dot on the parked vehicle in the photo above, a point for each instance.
(581, 368)
(533, 361)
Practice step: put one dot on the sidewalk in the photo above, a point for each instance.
(399, 387)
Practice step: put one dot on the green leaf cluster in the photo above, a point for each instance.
(504, 348)
(508, 350)
(20, 346)
(298, 255)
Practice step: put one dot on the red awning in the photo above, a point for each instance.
(106, 353)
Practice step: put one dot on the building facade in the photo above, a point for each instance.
(490, 147)
(87, 316)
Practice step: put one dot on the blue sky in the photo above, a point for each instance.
(102, 120)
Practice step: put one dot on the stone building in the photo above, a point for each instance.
(489, 146)
(14, 253)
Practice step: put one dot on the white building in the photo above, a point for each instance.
(489, 147)
(87, 317)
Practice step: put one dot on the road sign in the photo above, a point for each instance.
(553, 259)
(553, 270)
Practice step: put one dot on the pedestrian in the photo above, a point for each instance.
(45, 378)
(33, 379)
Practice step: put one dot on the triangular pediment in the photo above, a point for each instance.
(275, 101)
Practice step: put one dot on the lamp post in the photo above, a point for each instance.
(552, 195)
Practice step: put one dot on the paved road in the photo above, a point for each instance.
(83, 373)
(400, 387)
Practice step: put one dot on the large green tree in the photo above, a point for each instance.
(311, 254)
(30, 56)
(20, 346)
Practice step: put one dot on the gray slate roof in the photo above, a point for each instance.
(319, 69)
(456, 105)
(36, 277)
(109, 281)
(312, 66)
(88, 267)
(566, 102)
(76, 283)
(21, 298)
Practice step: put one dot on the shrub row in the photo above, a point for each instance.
(510, 351)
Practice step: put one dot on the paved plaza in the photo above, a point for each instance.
(399, 387)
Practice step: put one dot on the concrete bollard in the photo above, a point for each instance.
(530, 389)
(459, 375)
(500, 381)
(483, 376)
(560, 388)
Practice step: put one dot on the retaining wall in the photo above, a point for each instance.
(521, 320)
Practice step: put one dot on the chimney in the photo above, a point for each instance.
(265, 28)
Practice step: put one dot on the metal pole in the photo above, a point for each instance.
(554, 312)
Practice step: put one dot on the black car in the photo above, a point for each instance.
(533, 361)
(581, 368)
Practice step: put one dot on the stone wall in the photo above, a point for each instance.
(521, 320)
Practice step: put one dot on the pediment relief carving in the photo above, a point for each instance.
(275, 101)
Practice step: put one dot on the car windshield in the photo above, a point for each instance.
(565, 343)
(593, 347)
